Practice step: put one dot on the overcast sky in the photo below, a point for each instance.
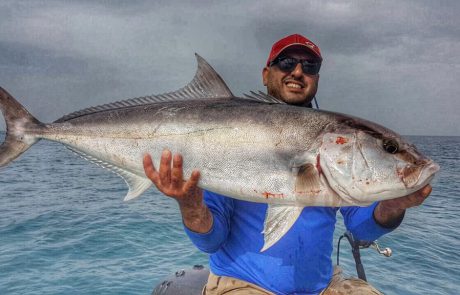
(394, 62)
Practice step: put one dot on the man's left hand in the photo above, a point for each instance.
(389, 213)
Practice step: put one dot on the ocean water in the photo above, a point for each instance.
(64, 229)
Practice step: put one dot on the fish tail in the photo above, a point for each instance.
(19, 124)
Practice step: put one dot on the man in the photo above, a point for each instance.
(230, 230)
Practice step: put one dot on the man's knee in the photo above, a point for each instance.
(348, 286)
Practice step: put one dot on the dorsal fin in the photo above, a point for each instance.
(263, 97)
(207, 84)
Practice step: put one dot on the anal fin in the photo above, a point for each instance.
(278, 220)
(136, 184)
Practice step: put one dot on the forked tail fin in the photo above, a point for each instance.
(18, 122)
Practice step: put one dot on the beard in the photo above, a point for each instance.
(275, 90)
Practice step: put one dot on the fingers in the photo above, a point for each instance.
(149, 169)
(415, 199)
(192, 182)
(169, 179)
(426, 191)
(177, 174)
(165, 168)
(421, 195)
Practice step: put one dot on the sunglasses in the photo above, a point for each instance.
(288, 64)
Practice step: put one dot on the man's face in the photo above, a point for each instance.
(293, 87)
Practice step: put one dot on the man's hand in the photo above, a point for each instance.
(195, 214)
(389, 213)
(170, 181)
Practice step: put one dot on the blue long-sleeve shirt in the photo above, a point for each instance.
(299, 263)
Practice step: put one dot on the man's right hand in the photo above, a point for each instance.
(195, 214)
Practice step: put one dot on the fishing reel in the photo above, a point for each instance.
(385, 252)
(356, 245)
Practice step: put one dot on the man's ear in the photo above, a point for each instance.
(265, 76)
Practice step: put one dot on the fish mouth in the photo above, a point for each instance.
(418, 176)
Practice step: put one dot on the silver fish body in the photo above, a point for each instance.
(255, 148)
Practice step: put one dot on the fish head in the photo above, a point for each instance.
(364, 162)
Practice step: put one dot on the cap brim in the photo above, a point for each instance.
(298, 45)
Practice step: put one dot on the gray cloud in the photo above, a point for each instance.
(394, 62)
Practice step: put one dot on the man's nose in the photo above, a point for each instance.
(297, 72)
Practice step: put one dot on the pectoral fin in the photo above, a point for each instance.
(307, 180)
(278, 221)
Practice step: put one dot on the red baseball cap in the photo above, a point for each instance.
(293, 40)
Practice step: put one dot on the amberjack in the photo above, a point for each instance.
(254, 148)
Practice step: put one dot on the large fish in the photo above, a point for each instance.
(255, 148)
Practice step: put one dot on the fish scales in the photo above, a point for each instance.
(249, 130)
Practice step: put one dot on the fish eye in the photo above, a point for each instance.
(390, 146)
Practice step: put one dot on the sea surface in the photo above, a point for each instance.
(64, 229)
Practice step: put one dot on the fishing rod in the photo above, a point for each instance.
(356, 245)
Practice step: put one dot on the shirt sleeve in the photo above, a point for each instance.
(221, 208)
(361, 223)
